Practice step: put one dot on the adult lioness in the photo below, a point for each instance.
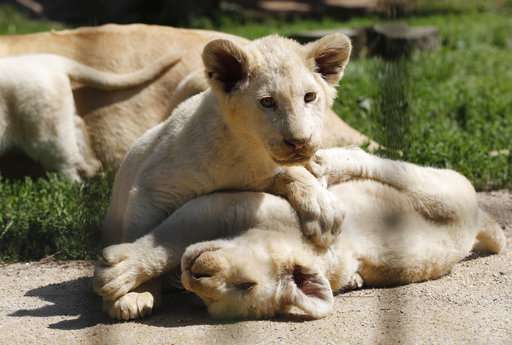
(403, 224)
(114, 120)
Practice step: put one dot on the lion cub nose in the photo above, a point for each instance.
(206, 266)
(297, 144)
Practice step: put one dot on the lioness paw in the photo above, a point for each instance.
(131, 306)
(118, 271)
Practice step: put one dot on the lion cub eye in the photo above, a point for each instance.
(309, 97)
(245, 285)
(268, 102)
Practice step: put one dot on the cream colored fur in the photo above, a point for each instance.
(114, 120)
(224, 138)
(37, 109)
(403, 224)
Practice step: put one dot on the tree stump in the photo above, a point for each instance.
(390, 41)
(395, 40)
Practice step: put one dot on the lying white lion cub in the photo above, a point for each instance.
(37, 109)
(403, 224)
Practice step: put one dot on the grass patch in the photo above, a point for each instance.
(458, 115)
(50, 216)
(456, 112)
(12, 22)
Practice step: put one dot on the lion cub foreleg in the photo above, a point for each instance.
(136, 304)
(320, 216)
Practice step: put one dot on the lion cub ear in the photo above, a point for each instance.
(226, 64)
(310, 291)
(330, 54)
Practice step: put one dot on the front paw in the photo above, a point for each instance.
(322, 220)
(336, 165)
(118, 271)
(318, 166)
(134, 305)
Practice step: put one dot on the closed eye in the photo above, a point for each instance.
(268, 102)
(245, 285)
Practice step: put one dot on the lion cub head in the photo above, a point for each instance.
(256, 276)
(275, 92)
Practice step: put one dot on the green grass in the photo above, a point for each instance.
(452, 108)
(459, 108)
(49, 216)
(13, 22)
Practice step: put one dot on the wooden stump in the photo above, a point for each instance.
(390, 41)
(395, 40)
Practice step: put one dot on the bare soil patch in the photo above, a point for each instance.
(52, 303)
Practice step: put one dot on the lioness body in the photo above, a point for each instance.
(114, 120)
(37, 108)
(403, 224)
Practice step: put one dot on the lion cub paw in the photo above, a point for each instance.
(356, 282)
(336, 165)
(322, 219)
(133, 305)
(118, 271)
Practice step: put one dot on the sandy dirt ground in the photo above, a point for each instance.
(52, 303)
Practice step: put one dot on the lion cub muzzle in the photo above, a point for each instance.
(295, 150)
(203, 274)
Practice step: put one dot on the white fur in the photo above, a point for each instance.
(226, 140)
(403, 224)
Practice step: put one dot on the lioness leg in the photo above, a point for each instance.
(189, 86)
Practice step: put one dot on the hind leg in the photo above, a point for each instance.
(87, 164)
(191, 85)
(49, 134)
(61, 153)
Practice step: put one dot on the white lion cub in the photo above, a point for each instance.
(403, 224)
(37, 109)
(254, 129)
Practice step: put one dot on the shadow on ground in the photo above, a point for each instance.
(76, 298)
(69, 298)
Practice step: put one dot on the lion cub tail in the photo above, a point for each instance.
(490, 237)
(113, 81)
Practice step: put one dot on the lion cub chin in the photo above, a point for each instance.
(254, 129)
